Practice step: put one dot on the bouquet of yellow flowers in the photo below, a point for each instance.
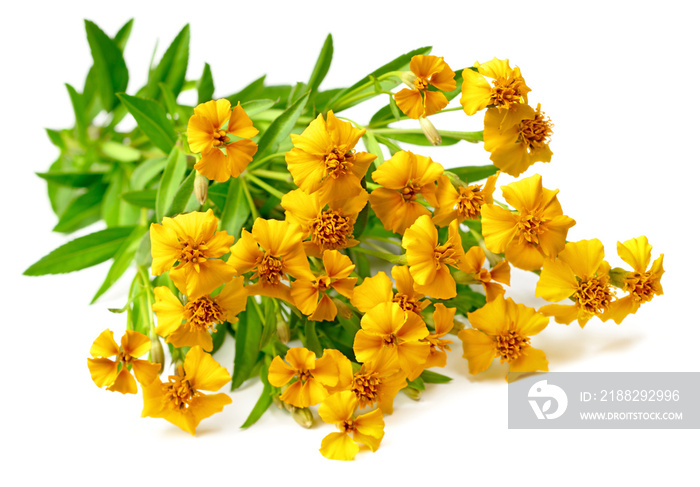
(339, 261)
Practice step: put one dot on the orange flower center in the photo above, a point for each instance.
(407, 303)
(470, 201)
(506, 92)
(530, 228)
(641, 286)
(510, 345)
(420, 84)
(331, 230)
(124, 357)
(366, 386)
(304, 375)
(269, 269)
(390, 341)
(203, 314)
(410, 191)
(347, 426)
(178, 392)
(220, 138)
(323, 283)
(445, 254)
(535, 132)
(594, 295)
(191, 253)
(338, 163)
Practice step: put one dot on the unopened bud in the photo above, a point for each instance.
(412, 392)
(201, 188)
(303, 416)
(283, 331)
(618, 276)
(343, 309)
(278, 402)
(431, 133)
(408, 78)
(156, 355)
(457, 326)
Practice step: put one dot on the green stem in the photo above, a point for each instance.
(394, 259)
(249, 197)
(272, 175)
(468, 136)
(265, 186)
(262, 160)
(150, 298)
(383, 239)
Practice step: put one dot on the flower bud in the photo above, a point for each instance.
(430, 131)
(343, 309)
(156, 355)
(201, 188)
(408, 78)
(283, 331)
(412, 392)
(303, 416)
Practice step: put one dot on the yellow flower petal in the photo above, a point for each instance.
(203, 372)
(104, 345)
(339, 446)
(478, 348)
(103, 371)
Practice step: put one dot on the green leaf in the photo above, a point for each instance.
(147, 171)
(169, 100)
(205, 85)
(250, 92)
(112, 74)
(253, 107)
(82, 252)
(323, 63)
(183, 194)
(121, 38)
(420, 139)
(120, 152)
(417, 383)
(264, 401)
(430, 377)
(122, 260)
(172, 67)
(145, 198)
(172, 177)
(236, 209)
(56, 138)
(270, 325)
(60, 196)
(83, 211)
(151, 118)
(247, 342)
(466, 300)
(311, 338)
(80, 116)
(72, 179)
(280, 128)
(471, 174)
(115, 210)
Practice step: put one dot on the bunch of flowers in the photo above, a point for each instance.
(260, 216)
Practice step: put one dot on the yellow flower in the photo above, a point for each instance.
(518, 142)
(462, 203)
(536, 231)
(208, 132)
(189, 325)
(426, 71)
(443, 318)
(180, 400)
(274, 252)
(389, 330)
(502, 328)
(114, 374)
(581, 274)
(324, 159)
(404, 177)
(191, 244)
(429, 261)
(306, 292)
(474, 263)
(378, 289)
(641, 284)
(312, 375)
(508, 89)
(329, 225)
(367, 429)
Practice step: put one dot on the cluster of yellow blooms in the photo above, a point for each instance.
(302, 261)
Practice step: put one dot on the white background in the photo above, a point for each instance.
(619, 81)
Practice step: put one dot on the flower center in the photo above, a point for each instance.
(304, 375)
(178, 392)
(323, 283)
(510, 345)
(220, 138)
(407, 303)
(410, 191)
(366, 386)
(506, 92)
(445, 254)
(331, 230)
(530, 228)
(641, 286)
(191, 253)
(203, 314)
(338, 163)
(420, 84)
(535, 132)
(269, 269)
(594, 295)
(390, 341)
(470, 201)
(347, 425)
(126, 359)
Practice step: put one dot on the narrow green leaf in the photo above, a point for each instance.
(112, 74)
(172, 67)
(80, 116)
(430, 377)
(122, 260)
(420, 139)
(466, 300)
(172, 177)
(280, 128)
(311, 338)
(151, 118)
(236, 210)
(145, 198)
(115, 210)
(218, 336)
(253, 107)
(323, 63)
(121, 38)
(471, 174)
(60, 196)
(169, 100)
(264, 401)
(270, 325)
(372, 147)
(205, 85)
(250, 92)
(147, 171)
(81, 253)
(72, 179)
(183, 194)
(56, 138)
(120, 152)
(417, 383)
(83, 211)
(247, 342)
